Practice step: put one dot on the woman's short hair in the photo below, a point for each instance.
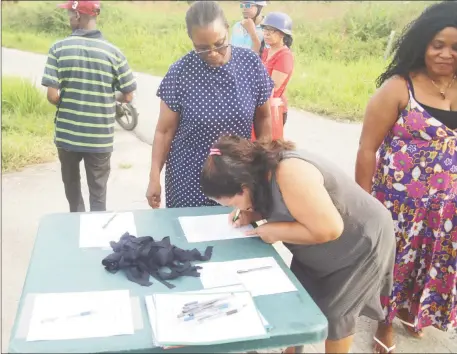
(410, 48)
(242, 163)
(204, 13)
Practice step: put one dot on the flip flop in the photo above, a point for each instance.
(415, 334)
(386, 348)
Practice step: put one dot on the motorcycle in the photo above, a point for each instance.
(126, 115)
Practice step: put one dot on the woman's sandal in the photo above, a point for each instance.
(386, 348)
(408, 327)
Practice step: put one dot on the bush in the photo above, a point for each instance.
(338, 46)
(27, 125)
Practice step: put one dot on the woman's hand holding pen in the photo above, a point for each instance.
(239, 218)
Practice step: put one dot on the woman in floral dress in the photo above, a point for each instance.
(408, 160)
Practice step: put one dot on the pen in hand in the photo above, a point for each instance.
(237, 215)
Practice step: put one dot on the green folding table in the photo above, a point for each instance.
(59, 265)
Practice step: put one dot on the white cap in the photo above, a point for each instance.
(258, 3)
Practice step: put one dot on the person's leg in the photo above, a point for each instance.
(384, 338)
(407, 321)
(71, 178)
(284, 118)
(339, 346)
(294, 350)
(305, 282)
(98, 168)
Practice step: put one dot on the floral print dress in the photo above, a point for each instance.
(416, 179)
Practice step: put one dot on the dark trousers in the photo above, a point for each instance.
(98, 169)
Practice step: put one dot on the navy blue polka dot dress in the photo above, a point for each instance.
(211, 102)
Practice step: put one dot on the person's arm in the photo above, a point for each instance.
(164, 134)
(251, 29)
(381, 113)
(262, 122)
(53, 95)
(317, 219)
(125, 80)
(233, 34)
(282, 69)
(262, 114)
(256, 42)
(169, 116)
(51, 78)
(278, 78)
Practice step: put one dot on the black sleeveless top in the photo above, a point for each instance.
(448, 118)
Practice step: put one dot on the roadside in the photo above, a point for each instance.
(38, 190)
(27, 131)
(334, 41)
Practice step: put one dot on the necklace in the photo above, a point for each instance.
(443, 91)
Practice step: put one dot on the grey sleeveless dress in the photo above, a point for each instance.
(347, 276)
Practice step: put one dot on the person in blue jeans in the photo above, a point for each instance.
(247, 33)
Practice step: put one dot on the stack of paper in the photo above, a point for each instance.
(98, 229)
(59, 316)
(211, 228)
(244, 322)
(260, 276)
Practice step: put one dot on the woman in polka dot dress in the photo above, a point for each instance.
(214, 90)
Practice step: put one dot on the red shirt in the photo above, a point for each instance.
(283, 61)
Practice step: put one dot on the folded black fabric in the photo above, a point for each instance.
(141, 257)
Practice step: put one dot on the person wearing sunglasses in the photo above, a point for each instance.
(215, 89)
(248, 33)
(279, 61)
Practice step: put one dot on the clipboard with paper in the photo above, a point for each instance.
(171, 330)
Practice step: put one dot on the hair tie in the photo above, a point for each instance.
(214, 152)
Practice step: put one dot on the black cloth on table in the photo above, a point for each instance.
(140, 257)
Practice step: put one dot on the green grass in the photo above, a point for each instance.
(338, 46)
(27, 125)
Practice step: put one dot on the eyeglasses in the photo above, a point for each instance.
(221, 49)
(269, 30)
(245, 6)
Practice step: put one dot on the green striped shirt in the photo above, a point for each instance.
(87, 70)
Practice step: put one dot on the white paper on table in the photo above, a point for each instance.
(152, 317)
(233, 288)
(259, 282)
(55, 316)
(92, 233)
(226, 289)
(211, 228)
(171, 330)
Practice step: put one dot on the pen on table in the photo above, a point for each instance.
(199, 308)
(241, 271)
(220, 314)
(203, 303)
(237, 215)
(194, 310)
(204, 312)
(109, 221)
(81, 314)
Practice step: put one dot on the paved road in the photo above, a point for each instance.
(335, 140)
(36, 191)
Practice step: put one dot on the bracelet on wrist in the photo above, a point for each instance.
(256, 224)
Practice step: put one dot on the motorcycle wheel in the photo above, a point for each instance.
(127, 116)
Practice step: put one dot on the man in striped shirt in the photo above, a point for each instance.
(82, 73)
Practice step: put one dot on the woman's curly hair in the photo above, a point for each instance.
(410, 48)
(243, 163)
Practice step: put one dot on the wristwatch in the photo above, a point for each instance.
(256, 224)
